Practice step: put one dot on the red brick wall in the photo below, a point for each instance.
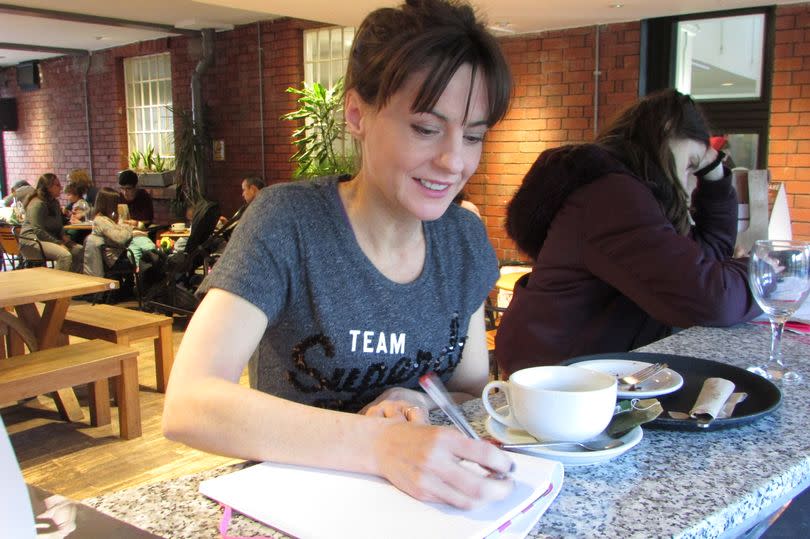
(789, 136)
(231, 94)
(553, 105)
(52, 134)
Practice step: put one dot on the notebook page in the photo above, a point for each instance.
(311, 502)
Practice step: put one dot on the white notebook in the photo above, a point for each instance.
(316, 503)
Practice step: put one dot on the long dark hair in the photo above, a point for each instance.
(635, 143)
(41, 191)
(106, 203)
(639, 138)
(434, 37)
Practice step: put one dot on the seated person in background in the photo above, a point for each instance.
(251, 186)
(139, 202)
(43, 222)
(461, 200)
(346, 291)
(77, 210)
(617, 264)
(20, 192)
(106, 231)
(80, 177)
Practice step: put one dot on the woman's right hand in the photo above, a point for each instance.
(426, 462)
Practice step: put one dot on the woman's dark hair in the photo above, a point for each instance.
(638, 140)
(41, 192)
(106, 203)
(434, 37)
(639, 137)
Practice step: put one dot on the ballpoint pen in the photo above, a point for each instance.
(435, 389)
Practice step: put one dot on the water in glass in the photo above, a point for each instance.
(779, 274)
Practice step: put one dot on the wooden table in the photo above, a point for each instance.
(20, 290)
(174, 235)
(88, 226)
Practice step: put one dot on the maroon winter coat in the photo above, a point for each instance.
(613, 274)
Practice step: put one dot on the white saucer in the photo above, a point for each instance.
(568, 455)
(662, 383)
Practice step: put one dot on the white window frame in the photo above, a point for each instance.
(326, 54)
(148, 84)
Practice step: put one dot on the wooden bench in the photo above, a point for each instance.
(93, 363)
(122, 326)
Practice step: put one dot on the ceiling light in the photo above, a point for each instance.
(727, 84)
(501, 27)
(616, 6)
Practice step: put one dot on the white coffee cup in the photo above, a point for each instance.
(556, 403)
(178, 227)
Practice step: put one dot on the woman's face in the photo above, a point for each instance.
(73, 198)
(418, 162)
(687, 154)
(55, 189)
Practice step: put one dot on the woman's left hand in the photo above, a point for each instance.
(400, 404)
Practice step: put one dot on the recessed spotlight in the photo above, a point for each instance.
(616, 6)
(727, 84)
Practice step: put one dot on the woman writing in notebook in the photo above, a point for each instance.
(349, 290)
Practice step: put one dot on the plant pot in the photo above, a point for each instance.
(156, 179)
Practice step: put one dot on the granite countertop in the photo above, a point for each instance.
(672, 484)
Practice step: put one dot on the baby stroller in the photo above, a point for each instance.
(176, 277)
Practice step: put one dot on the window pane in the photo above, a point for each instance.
(323, 45)
(148, 87)
(337, 43)
(309, 45)
(720, 58)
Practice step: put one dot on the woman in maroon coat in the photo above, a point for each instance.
(618, 262)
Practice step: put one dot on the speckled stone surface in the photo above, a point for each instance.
(673, 484)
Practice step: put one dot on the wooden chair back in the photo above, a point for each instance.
(9, 247)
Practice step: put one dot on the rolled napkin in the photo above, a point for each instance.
(716, 400)
(713, 395)
(731, 403)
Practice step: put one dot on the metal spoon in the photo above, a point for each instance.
(590, 445)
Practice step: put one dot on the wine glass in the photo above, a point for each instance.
(779, 274)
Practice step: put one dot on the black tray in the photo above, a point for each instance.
(763, 396)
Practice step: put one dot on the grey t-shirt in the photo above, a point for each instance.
(339, 332)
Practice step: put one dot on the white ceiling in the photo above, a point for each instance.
(515, 16)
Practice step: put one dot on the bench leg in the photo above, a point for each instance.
(123, 340)
(129, 406)
(16, 344)
(99, 402)
(164, 356)
(68, 405)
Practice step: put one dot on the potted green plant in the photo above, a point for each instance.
(191, 142)
(153, 169)
(318, 140)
